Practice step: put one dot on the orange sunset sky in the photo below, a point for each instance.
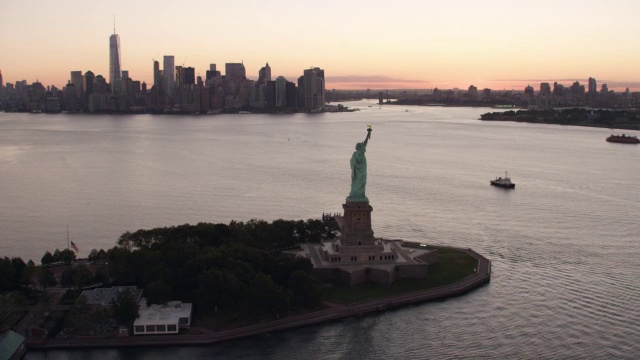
(360, 44)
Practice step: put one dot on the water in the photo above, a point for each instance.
(564, 244)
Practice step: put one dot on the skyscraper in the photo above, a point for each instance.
(189, 76)
(313, 88)
(1, 83)
(281, 91)
(76, 80)
(115, 75)
(264, 74)
(169, 74)
(593, 87)
(235, 72)
(156, 73)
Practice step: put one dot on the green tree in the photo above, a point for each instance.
(8, 280)
(47, 258)
(220, 290)
(28, 273)
(305, 289)
(45, 277)
(67, 256)
(77, 276)
(158, 293)
(56, 256)
(101, 275)
(265, 297)
(125, 308)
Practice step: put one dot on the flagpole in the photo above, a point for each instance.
(67, 237)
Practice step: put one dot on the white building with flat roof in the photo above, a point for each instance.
(162, 319)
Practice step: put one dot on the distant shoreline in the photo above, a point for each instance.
(600, 118)
(481, 277)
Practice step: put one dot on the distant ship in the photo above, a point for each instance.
(623, 139)
(504, 182)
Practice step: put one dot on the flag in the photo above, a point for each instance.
(74, 246)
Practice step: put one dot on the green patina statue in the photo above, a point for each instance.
(359, 171)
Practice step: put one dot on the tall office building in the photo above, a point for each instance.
(169, 74)
(76, 80)
(234, 72)
(281, 91)
(115, 66)
(1, 83)
(212, 72)
(87, 83)
(264, 74)
(156, 73)
(593, 87)
(313, 88)
(545, 89)
(189, 77)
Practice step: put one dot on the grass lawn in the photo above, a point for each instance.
(452, 266)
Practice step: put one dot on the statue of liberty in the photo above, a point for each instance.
(359, 171)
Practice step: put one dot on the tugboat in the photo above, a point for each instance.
(623, 139)
(504, 182)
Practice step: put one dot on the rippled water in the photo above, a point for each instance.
(564, 244)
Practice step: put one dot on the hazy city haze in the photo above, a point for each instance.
(364, 44)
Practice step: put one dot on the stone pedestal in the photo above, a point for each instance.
(355, 225)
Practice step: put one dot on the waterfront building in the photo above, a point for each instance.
(270, 94)
(12, 344)
(162, 319)
(169, 74)
(291, 100)
(76, 80)
(281, 92)
(314, 88)
(115, 65)
(69, 98)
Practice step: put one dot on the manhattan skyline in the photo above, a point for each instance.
(411, 45)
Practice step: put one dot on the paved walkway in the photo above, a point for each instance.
(334, 312)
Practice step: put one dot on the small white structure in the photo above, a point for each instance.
(162, 319)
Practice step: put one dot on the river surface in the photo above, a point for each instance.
(565, 244)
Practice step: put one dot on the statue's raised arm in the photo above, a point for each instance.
(359, 171)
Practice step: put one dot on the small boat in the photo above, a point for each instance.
(504, 182)
(623, 139)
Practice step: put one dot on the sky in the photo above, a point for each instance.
(372, 44)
